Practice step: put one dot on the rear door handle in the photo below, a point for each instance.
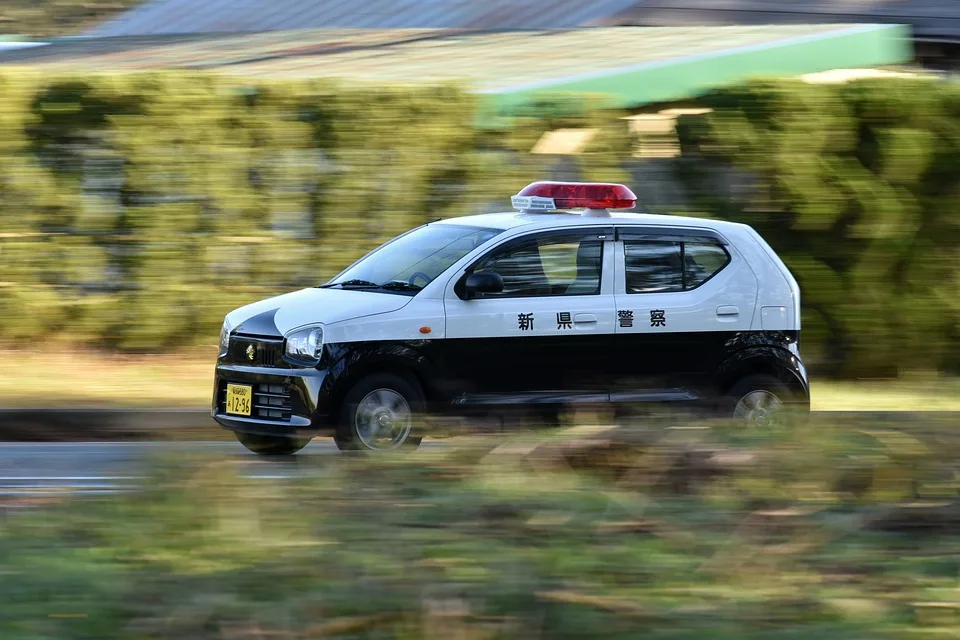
(728, 311)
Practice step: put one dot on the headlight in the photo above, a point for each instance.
(224, 338)
(305, 345)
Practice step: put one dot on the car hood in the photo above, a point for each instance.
(277, 315)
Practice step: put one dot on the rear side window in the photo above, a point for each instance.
(656, 266)
(653, 267)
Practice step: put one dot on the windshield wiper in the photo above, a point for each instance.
(400, 285)
(353, 284)
(391, 285)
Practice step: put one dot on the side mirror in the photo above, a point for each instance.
(483, 282)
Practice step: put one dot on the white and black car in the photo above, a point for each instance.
(568, 300)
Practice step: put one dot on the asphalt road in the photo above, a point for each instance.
(96, 467)
(99, 467)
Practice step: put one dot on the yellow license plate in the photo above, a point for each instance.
(239, 399)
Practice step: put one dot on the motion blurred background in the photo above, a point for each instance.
(165, 161)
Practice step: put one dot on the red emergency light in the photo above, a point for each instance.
(550, 196)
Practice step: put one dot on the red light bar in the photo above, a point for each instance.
(549, 196)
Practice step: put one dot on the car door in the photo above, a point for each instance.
(681, 294)
(547, 337)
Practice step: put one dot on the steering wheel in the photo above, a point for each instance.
(420, 274)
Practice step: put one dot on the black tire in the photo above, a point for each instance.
(271, 445)
(348, 436)
(771, 390)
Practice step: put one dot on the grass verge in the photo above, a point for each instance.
(90, 379)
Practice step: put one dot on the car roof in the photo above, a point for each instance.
(560, 219)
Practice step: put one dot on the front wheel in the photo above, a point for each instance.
(761, 401)
(271, 445)
(378, 414)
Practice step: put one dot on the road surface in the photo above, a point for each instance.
(95, 467)
(98, 467)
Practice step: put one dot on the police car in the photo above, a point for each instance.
(567, 300)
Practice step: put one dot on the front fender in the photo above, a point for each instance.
(349, 362)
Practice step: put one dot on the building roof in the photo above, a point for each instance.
(219, 16)
(629, 66)
(930, 20)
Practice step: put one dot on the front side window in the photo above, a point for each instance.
(558, 266)
(654, 266)
(411, 261)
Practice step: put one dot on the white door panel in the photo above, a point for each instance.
(725, 302)
(493, 317)
(529, 316)
(669, 342)
(534, 343)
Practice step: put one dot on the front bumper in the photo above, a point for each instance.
(287, 402)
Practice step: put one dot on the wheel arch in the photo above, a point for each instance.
(772, 361)
(355, 364)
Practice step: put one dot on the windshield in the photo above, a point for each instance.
(411, 261)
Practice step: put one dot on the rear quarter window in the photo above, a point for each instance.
(703, 261)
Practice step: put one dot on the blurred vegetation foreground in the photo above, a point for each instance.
(833, 532)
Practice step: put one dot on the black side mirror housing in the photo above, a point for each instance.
(483, 282)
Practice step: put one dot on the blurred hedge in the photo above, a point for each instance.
(857, 186)
(135, 210)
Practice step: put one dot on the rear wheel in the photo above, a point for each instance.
(379, 413)
(761, 401)
(271, 445)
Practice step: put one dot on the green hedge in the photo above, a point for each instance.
(135, 210)
(858, 187)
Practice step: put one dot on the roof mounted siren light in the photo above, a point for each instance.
(596, 197)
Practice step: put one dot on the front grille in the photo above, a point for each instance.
(270, 401)
(265, 352)
(267, 355)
